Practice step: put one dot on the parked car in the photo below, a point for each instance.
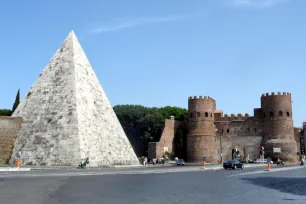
(244, 161)
(180, 162)
(233, 164)
(258, 161)
(250, 161)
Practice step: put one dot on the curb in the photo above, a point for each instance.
(14, 169)
(126, 166)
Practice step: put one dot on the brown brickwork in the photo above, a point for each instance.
(278, 129)
(297, 138)
(157, 149)
(201, 138)
(244, 132)
(9, 127)
(271, 126)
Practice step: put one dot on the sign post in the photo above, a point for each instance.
(276, 150)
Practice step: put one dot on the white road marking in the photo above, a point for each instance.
(264, 171)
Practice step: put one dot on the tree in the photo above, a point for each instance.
(143, 125)
(179, 113)
(131, 119)
(180, 139)
(5, 112)
(17, 101)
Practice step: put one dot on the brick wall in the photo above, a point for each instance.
(297, 138)
(244, 133)
(157, 149)
(9, 127)
(247, 145)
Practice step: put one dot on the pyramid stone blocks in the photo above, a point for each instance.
(67, 116)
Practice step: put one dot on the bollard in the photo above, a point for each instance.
(17, 163)
(269, 166)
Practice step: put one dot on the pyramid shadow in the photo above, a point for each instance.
(295, 186)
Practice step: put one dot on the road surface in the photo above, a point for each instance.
(140, 186)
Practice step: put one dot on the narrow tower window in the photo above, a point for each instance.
(280, 113)
(206, 114)
(288, 114)
(227, 131)
(271, 114)
(264, 115)
(190, 115)
(254, 129)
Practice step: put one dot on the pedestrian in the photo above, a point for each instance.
(145, 161)
(163, 161)
(303, 161)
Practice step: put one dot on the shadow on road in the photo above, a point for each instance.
(294, 186)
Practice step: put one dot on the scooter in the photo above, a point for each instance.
(82, 164)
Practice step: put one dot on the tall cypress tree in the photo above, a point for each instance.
(17, 101)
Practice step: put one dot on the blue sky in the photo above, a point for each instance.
(157, 53)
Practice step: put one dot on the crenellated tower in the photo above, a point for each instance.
(201, 139)
(278, 129)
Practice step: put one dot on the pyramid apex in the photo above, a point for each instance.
(72, 38)
(71, 34)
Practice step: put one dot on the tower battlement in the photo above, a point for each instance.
(231, 117)
(275, 94)
(202, 98)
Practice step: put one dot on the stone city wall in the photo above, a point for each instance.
(9, 127)
(244, 134)
(297, 138)
(249, 146)
(157, 149)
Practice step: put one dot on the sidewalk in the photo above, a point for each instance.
(169, 166)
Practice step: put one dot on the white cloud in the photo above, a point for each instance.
(256, 3)
(116, 26)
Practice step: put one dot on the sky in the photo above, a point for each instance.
(158, 53)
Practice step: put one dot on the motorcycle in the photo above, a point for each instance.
(280, 163)
(83, 164)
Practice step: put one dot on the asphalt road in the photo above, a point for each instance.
(250, 185)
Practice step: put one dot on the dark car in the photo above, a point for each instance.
(180, 162)
(232, 164)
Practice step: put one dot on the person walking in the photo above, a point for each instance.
(303, 160)
(145, 161)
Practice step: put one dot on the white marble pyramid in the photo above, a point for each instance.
(68, 117)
